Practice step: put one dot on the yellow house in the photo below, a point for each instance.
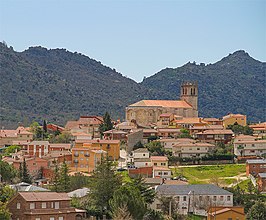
(85, 159)
(234, 118)
(224, 213)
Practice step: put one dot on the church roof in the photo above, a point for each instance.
(162, 103)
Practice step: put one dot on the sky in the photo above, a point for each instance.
(138, 38)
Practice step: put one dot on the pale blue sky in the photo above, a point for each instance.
(138, 38)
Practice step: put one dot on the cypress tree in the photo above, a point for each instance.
(44, 126)
(26, 177)
(56, 183)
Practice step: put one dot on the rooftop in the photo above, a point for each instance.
(254, 161)
(44, 196)
(162, 103)
(262, 175)
(197, 189)
(159, 158)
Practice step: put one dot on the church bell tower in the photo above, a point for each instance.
(189, 93)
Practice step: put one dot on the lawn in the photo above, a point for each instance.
(202, 174)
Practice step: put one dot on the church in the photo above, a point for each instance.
(147, 112)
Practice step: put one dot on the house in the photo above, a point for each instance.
(256, 166)
(262, 182)
(168, 132)
(232, 119)
(85, 159)
(213, 121)
(134, 136)
(55, 128)
(259, 130)
(193, 198)
(214, 136)
(80, 194)
(189, 122)
(43, 206)
(161, 172)
(38, 148)
(168, 143)
(60, 147)
(192, 149)
(160, 161)
(87, 124)
(141, 157)
(196, 129)
(112, 147)
(147, 112)
(115, 134)
(224, 213)
(149, 133)
(245, 145)
(10, 137)
(165, 120)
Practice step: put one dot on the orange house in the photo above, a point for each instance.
(224, 213)
(112, 147)
(85, 159)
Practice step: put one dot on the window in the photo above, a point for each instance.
(184, 198)
(52, 218)
(198, 148)
(214, 198)
(43, 205)
(221, 198)
(56, 205)
(143, 155)
(52, 205)
(159, 173)
(32, 205)
(37, 218)
(230, 219)
(165, 173)
(18, 205)
(155, 164)
(200, 198)
(228, 198)
(158, 206)
(61, 218)
(162, 164)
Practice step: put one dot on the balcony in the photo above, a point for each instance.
(86, 154)
(76, 154)
(76, 161)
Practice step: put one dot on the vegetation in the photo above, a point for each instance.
(205, 174)
(24, 173)
(155, 148)
(7, 172)
(257, 211)
(61, 178)
(107, 123)
(6, 193)
(239, 129)
(94, 88)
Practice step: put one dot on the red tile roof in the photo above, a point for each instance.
(44, 196)
(163, 103)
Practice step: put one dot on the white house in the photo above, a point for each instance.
(192, 149)
(141, 157)
(245, 145)
(168, 143)
(193, 198)
(161, 172)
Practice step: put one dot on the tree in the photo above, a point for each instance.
(78, 181)
(104, 182)
(184, 133)
(56, 177)
(26, 177)
(64, 179)
(107, 123)
(40, 173)
(44, 127)
(239, 129)
(147, 193)
(4, 213)
(6, 193)
(257, 211)
(64, 137)
(11, 149)
(7, 172)
(166, 203)
(122, 213)
(37, 131)
(130, 197)
(156, 148)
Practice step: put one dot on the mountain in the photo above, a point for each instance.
(58, 85)
(234, 84)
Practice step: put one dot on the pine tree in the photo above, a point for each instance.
(104, 182)
(64, 179)
(26, 177)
